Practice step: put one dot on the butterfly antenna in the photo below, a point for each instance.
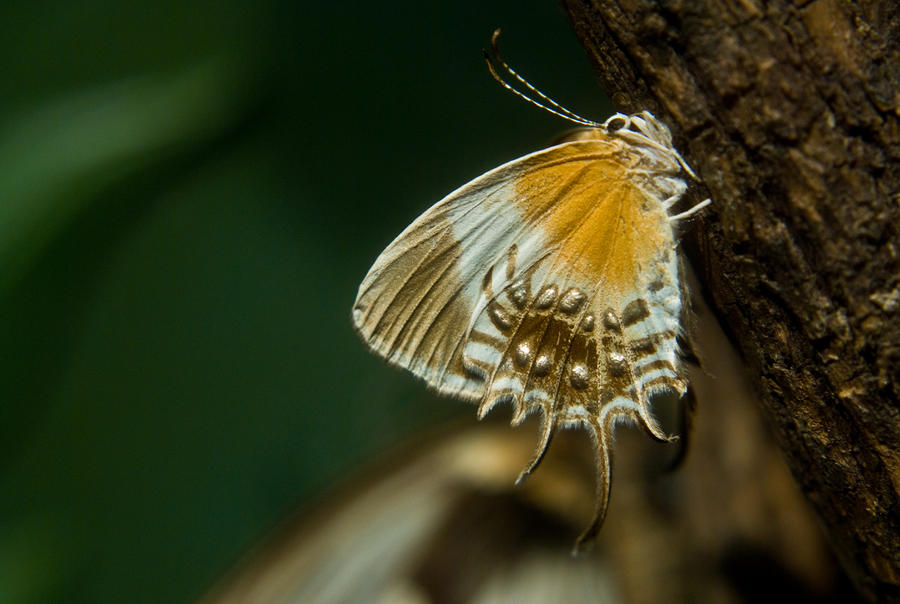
(561, 112)
(495, 49)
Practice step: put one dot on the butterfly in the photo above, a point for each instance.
(551, 282)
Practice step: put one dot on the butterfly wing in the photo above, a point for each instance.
(418, 301)
(550, 282)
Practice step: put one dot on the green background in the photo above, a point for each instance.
(190, 194)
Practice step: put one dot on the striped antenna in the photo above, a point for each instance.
(551, 106)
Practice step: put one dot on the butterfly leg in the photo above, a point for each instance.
(672, 200)
(690, 211)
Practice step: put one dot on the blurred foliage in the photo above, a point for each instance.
(189, 196)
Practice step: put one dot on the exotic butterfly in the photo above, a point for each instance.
(551, 282)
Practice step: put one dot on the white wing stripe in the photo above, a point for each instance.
(483, 353)
(508, 383)
(657, 373)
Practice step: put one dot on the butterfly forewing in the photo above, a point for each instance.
(418, 302)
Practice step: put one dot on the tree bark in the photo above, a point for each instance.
(790, 115)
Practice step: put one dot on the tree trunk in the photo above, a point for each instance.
(789, 115)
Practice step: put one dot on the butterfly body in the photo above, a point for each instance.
(551, 283)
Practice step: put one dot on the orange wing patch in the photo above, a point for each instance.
(608, 228)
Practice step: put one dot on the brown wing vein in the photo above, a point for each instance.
(424, 257)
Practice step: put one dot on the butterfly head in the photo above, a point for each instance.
(644, 130)
(644, 123)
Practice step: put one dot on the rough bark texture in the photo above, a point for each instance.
(789, 114)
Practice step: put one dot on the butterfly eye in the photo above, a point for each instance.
(616, 123)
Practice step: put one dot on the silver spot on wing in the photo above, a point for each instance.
(611, 322)
(571, 301)
(542, 365)
(522, 354)
(587, 323)
(546, 298)
(499, 317)
(578, 377)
